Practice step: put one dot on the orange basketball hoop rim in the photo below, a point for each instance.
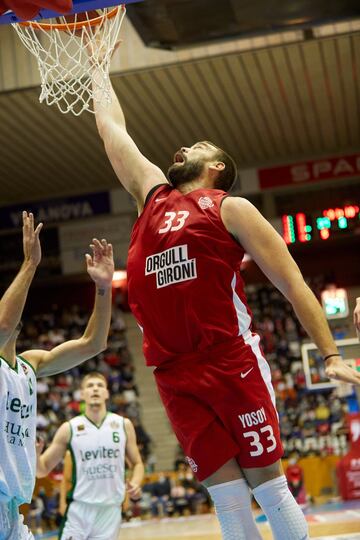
(76, 25)
(65, 48)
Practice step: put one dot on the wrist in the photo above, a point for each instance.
(331, 355)
(29, 266)
(102, 289)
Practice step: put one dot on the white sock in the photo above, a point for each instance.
(232, 502)
(286, 518)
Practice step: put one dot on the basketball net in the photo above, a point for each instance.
(68, 50)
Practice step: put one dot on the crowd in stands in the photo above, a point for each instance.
(174, 493)
(312, 423)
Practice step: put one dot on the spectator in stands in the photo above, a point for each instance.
(161, 490)
(295, 477)
(179, 459)
(179, 498)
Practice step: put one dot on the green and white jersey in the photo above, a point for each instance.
(18, 430)
(98, 459)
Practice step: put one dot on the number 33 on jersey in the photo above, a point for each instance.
(175, 221)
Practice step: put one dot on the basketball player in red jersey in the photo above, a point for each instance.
(186, 292)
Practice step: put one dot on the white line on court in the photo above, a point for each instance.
(355, 513)
(339, 537)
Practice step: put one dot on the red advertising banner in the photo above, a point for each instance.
(333, 168)
(348, 469)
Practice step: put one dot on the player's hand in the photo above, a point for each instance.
(31, 241)
(357, 317)
(100, 265)
(97, 48)
(134, 490)
(338, 370)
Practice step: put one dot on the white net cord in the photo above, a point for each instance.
(65, 62)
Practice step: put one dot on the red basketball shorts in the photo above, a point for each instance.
(221, 405)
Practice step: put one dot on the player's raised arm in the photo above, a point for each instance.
(100, 267)
(136, 173)
(269, 251)
(13, 301)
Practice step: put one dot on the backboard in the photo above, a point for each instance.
(314, 366)
(79, 6)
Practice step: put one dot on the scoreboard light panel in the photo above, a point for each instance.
(331, 222)
(335, 303)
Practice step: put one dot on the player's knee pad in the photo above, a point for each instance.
(284, 514)
(230, 496)
(232, 502)
(272, 492)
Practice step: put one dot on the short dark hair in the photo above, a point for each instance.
(226, 178)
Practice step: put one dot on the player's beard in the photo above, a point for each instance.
(184, 173)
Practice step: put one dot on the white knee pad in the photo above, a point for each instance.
(230, 496)
(286, 518)
(232, 502)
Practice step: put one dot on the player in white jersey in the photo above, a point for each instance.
(18, 373)
(99, 442)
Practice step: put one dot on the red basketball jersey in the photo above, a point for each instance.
(184, 283)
